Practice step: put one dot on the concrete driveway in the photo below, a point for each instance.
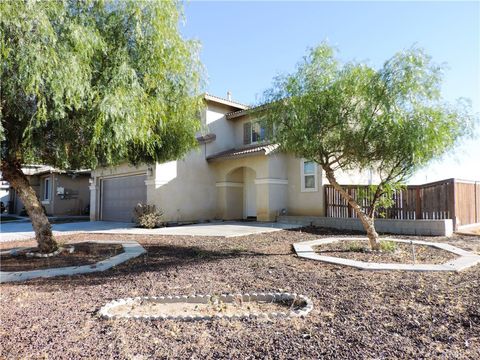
(22, 231)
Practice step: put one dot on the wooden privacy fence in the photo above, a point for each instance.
(458, 200)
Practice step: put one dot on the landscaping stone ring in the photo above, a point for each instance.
(208, 307)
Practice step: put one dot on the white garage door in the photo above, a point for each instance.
(120, 195)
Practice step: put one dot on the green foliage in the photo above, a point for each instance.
(352, 116)
(358, 246)
(388, 246)
(87, 83)
(355, 246)
(147, 216)
(385, 196)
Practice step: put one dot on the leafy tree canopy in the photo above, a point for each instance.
(87, 83)
(351, 115)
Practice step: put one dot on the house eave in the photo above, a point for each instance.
(226, 102)
(238, 153)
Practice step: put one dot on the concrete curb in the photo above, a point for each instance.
(130, 250)
(105, 313)
(465, 260)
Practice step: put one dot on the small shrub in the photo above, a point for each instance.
(388, 246)
(147, 216)
(355, 246)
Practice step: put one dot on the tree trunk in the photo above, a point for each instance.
(367, 222)
(12, 172)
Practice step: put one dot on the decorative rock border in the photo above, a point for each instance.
(465, 260)
(105, 313)
(71, 249)
(13, 251)
(131, 250)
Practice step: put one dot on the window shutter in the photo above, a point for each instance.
(247, 133)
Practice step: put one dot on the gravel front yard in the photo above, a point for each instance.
(356, 314)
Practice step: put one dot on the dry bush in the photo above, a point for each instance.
(147, 216)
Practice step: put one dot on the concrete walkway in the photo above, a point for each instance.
(22, 231)
(464, 259)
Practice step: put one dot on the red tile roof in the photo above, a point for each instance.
(263, 149)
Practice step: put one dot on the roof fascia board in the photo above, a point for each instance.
(225, 102)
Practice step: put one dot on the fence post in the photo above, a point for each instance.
(452, 203)
(349, 209)
(477, 202)
(325, 202)
(418, 204)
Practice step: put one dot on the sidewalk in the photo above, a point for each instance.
(23, 231)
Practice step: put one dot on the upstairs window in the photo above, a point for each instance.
(255, 132)
(259, 131)
(309, 176)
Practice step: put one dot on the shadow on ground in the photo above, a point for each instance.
(158, 258)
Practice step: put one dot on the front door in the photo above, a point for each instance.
(250, 196)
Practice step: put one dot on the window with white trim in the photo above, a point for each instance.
(309, 175)
(47, 189)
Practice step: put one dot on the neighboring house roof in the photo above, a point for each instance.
(31, 170)
(69, 172)
(227, 102)
(263, 149)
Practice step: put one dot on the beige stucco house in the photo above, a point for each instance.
(234, 173)
(60, 192)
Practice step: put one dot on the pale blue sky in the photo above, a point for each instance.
(245, 44)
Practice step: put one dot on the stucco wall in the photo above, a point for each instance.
(77, 200)
(56, 206)
(185, 189)
(238, 126)
(217, 124)
(303, 203)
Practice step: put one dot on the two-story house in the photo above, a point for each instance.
(235, 173)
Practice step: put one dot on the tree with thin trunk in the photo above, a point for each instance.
(351, 116)
(93, 83)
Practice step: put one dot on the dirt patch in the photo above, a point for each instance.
(356, 314)
(85, 253)
(471, 231)
(402, 253)
(214, 307)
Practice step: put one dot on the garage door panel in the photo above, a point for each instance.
(120, 195)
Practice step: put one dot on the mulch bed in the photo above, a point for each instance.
(86, 253)
(357, 314)
(359, 250)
